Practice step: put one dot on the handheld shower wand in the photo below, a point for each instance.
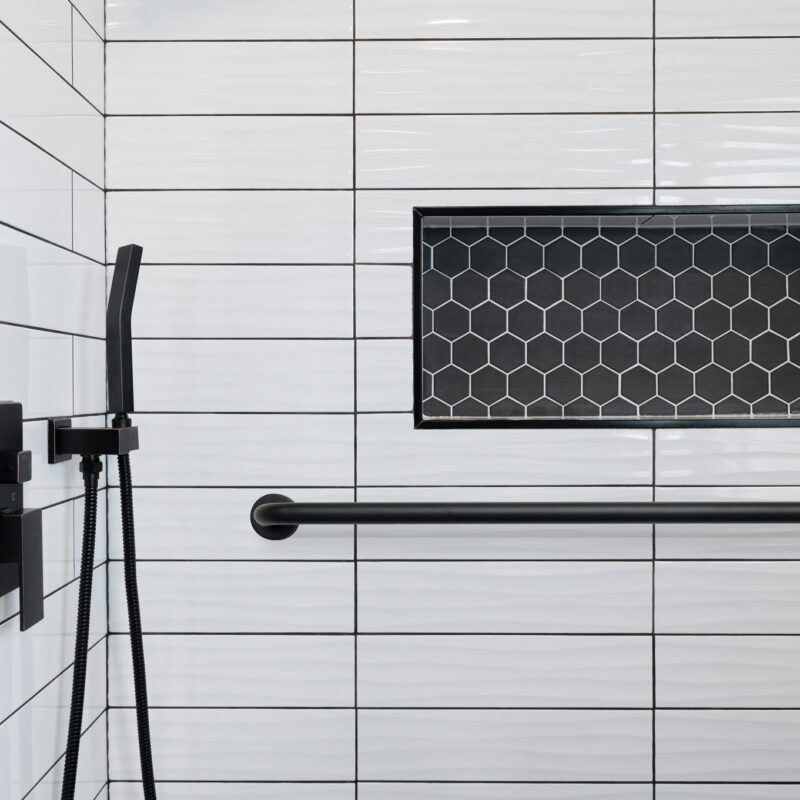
(91, 444)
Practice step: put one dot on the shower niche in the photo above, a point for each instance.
(583, 316)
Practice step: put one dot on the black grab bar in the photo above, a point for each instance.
(275, 516)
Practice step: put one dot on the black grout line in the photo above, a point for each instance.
(643, 112)
(456, 39)
(50, 242)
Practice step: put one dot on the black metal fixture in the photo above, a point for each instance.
(20, 528)
(277, 517)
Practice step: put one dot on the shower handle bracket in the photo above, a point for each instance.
(64, 441)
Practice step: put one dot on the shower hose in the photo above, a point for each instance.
(91, 467)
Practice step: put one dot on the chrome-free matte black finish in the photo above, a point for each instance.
(275, 517)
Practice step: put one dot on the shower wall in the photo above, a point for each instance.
(52, 300)
(267, 156)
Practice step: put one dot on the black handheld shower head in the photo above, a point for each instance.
(119, 360)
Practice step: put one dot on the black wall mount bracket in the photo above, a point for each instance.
(64, 441)
(21, 558)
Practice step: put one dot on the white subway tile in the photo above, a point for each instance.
(58, 547)
(506, 18)
(45, 109)
(237, 744)
(48, 287)
(237, 671)
(758, 195)
(383, 300)
(504, 597)
(214, 524)
(727, 18)
(31, 660)
(503, 76)
(384, 218)
(241, 375)
(271, 449)
(94, 12)
(727, 597)
(37, 370)
(728, 457)
(236, 597)
(493, 542)
(229, 152)
(725, 791)
(732, 540)
(35, 190)
(227, 19)
(504, 671)
(504, 745)
(229, 77)
(526, 151)
(88, 62)
(88, 219)
(234, 227)
(507, 791)
(240, 791)
(244, 301)
(33, 738)
(728, 671)
(728, 150)
(45, 27)
(727, 745)
(392, 452)
(89, 379)
(385, 375)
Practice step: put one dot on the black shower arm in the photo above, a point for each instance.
(274, 516)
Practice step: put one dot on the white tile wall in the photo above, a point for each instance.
(257, 150)
(52, 322)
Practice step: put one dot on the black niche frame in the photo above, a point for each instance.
(419, 213)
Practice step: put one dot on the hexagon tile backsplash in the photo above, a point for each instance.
(645, 316)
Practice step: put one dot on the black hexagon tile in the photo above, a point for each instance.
(637, 315)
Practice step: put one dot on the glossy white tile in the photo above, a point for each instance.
(239, 791)
(742, 74)
(460, 76)
(500, 791)
(44, 27)
(504, 671)
(383, 300)
(242, 375)
(244, 301)
(727, 597)
(88, 220)
(757, 195)
(730, 540)
(726, 18)
(728, 457)
(38, 370)
(728, 671)
(723, 150)
(270, 449)
(46, 110)
(504, 745)
(385, 375)
(238, 745)
(49, 287)
(236, 597)
(391, 452)
(35, 190)
(493, 542)
(58, 547)
(223, 19)
(507, 18)
(93, 12)
(727, 745)
(89, 376)
(229, 78)
(504, 597)
(35, 736)
(234, 227)
(526, 151)
(384, 218)
(237, 671)
(229, 152)
(88, 68)
(726, 791)
(215, 524)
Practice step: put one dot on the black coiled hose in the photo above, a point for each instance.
(135, 624)
(91, 467)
